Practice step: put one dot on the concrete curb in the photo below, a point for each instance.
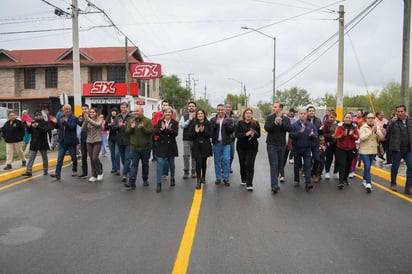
(36, 167)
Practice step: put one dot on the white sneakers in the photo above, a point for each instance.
(351, 175)
(327, 175)
(368, 187)
(94, 179)
(291, 161)
(336, 175)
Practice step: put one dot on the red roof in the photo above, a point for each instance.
(63, 56)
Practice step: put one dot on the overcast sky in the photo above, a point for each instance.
(205, 39)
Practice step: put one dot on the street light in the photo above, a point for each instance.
(274, 57)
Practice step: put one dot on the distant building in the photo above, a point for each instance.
(36, 78)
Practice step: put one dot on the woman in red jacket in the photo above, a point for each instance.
(345, 134)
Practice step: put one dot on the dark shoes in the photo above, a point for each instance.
(159, 187)
(7, 167)
(130, 186)
(74, 174)
(185, 174)
(23, 163)
(82, 175)
(226, 182)
(172, 182)
(408, 191)
(54, 175)
(198, 184)
(124, 179)
(218, 182)
(308, 187)
(28, 174)
(145, 183)
(275, 189)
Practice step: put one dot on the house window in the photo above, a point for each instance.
(116, 74)
(95, 74)
(29, 78)
(51, 77)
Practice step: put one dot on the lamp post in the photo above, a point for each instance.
(274, 57)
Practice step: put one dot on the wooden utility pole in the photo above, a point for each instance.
(339, 93)
(406, 53)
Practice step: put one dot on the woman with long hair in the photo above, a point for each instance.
(346, 134)
(247, 134)
(166, 149)
(200, 132)
(93, 124)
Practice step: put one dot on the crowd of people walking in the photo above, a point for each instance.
(311, 144)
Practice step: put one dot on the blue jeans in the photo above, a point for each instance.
(221, 157)
(135, 157)
(161, 162)
(299, 154)
(275, 155)
(62, 151)
(115, 160)
(123, 152)
(367, 160)
(104, 144)
(396, 160)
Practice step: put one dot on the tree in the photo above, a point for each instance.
(293, 97)
(265, 108)
(204, 104)
(172, 91)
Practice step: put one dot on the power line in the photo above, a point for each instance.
(241, 34)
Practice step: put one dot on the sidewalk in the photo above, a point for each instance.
(18, 170)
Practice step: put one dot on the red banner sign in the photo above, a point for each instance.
(108, 89)
(145, 71)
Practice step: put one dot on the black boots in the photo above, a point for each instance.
(159, 187)
(198, 184)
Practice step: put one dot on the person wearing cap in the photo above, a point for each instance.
(38, 129)
(13, 133)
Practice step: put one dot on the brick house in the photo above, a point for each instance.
(35, 79)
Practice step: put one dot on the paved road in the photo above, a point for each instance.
(73, 226)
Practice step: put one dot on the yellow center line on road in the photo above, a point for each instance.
(402, 196)
(183, 255)
(26, 179)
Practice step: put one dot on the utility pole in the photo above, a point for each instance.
(194, 88)
(205, 92)
(406, 53)
(77, 87)
(339, 94)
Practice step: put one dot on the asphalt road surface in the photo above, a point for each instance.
(73, 226)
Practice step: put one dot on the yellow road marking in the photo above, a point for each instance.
(26, 180)
(402, 196)
(183, 255)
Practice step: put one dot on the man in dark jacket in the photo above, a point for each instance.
(399, 133)
(67, 126)
(13, 133)
(317, 123)
(303, 135)
(39, 142)
(276, 126)
(123, 139)
(223, 127)
(184, 123)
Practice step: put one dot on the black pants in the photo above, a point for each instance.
(201, 167)
(247, 165)
(83, 149)
(344, 159)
